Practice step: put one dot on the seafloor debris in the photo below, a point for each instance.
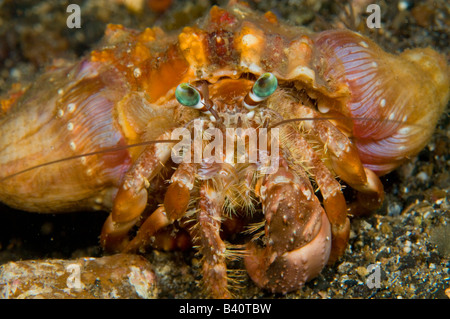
(117, 276)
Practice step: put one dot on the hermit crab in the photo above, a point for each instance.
(237, 125)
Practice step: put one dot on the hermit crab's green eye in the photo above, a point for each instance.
(265, 85)
(188, 95)
(261, 90)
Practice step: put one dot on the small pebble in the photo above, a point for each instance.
(394, 209)
(422, 176)
(407, 248)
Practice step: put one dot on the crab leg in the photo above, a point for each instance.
(178, 194)
(345, 160)
(297, 234)
(333, 199)
(211, 246)
(131, 199)
(176, 202)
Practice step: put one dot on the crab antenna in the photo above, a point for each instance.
(110, 150)
(338, 118)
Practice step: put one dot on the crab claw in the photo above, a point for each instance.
(293, 269)
(298, 236)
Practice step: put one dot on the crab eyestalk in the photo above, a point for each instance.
(264, 86)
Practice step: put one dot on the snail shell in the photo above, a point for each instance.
(395, 100)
